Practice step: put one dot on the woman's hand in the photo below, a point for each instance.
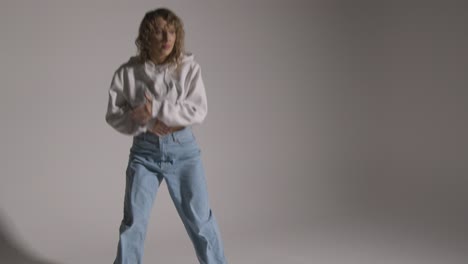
(160, 128)
(142, 114)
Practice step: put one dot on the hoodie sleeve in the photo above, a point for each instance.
(191, 108)
(118, 109)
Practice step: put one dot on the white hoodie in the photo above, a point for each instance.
(179, 97)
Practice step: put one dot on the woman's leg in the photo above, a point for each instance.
(140, 191)
(188, 189)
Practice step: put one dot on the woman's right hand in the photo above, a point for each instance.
(142, 114)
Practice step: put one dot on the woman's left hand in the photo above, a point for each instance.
(160, 128)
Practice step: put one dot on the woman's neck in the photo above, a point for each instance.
(158, 59)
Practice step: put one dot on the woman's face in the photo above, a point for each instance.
(163, 40)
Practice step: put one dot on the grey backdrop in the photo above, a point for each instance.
(336, 130)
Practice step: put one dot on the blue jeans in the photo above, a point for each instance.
(175, 158)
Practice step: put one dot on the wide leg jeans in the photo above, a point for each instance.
(175, 158)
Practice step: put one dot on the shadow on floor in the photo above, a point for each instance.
(11, 252)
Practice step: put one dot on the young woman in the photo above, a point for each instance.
(156, 97)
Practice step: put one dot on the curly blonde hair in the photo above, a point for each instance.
(147, 29)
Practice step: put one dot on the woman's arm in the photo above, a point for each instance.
(189, 110)
(119, 111)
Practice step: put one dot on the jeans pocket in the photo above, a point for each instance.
(185, 138)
